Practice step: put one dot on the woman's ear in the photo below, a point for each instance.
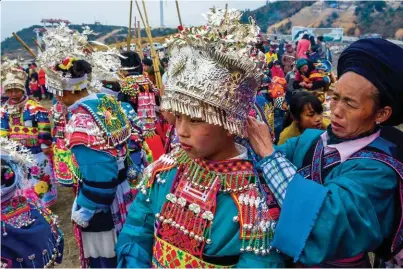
(383, 114)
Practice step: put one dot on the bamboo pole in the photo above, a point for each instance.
(135, 28)
(139, 40)
(179, 13)
(130, 26)
(154, 56)
(226, 10)
(37, 44)
(24, 45)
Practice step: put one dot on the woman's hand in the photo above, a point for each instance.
(259, 137)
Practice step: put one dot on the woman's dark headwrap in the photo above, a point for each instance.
(132, 62)
(381, 62)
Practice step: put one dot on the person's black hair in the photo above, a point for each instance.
(260, 46)
(312, 40)
(111, 85)
(164, 60)
(78, 69)
(297, 105)
(132, 60)
(305, 36)
(320, 38)
(148, 61)
(5, 168)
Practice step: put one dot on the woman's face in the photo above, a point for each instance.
(202, 140)
(15, 95)
(304, 69)
(68, 98)
(353, 106)
(310, 119)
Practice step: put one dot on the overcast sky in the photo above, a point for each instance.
(16, 15)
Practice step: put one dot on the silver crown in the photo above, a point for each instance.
(211, 75)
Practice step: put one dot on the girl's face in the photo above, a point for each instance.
(15, 95)
(310, 119)
(202, 140)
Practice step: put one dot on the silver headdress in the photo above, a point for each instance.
(19, 159)
(63, 46)
(211, 75)
(12, 77)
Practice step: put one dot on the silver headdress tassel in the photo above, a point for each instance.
(211, 75)
(63, 46)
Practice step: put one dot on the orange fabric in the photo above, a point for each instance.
(277, 87)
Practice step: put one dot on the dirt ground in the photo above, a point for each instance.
(62, 208)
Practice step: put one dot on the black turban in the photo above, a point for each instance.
(132, 60)
(381, 62)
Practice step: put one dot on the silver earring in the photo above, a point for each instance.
(377, 122)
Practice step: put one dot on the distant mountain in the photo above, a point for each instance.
(355, 17)
(105, 33)
(273, 12)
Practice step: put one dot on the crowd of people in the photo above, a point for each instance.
(249, 155)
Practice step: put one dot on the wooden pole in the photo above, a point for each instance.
(226, 10)
(24, 45)
(130, 26)
(179, 13)
(139, 40)
(37, 44)
(154, 56)
(135, 28)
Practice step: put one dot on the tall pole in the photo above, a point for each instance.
(37, 44)
(154, 56)
(139, 40)
(130, 26)
(179, 14)
(24, 45)
(162, 13)
(226, 10)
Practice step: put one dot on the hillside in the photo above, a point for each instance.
(274, 12)
(103, 33)
(355, 17)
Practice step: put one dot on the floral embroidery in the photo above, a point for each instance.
(35, 170)
(41, 188)
(63, 167)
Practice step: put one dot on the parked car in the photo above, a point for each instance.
(132, 47)
(157, 46)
